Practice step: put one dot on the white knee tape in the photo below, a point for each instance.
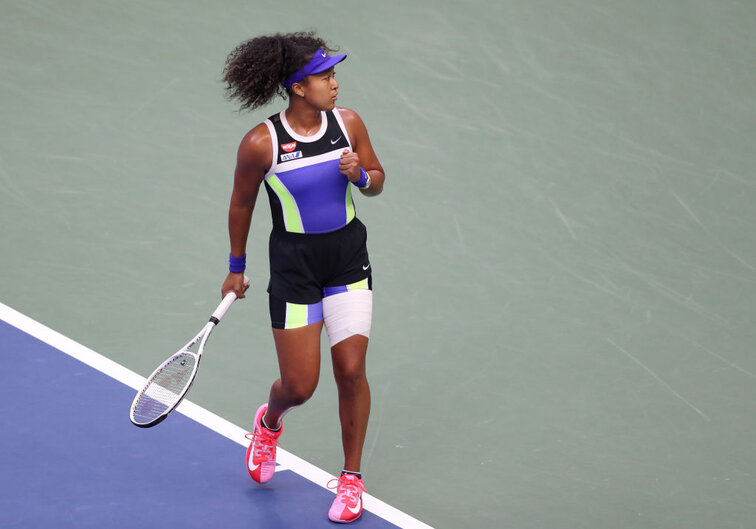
(347, 314)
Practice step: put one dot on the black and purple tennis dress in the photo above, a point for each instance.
(317, 245)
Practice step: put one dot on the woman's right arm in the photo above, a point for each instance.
(253, 159)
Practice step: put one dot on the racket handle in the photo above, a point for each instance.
(225, 305)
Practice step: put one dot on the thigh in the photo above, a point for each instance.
(349, 358)
(348, 311)
(347, 317)
(298, 353)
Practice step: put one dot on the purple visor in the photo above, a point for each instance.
(320, 62)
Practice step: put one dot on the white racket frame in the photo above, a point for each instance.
(201, 337)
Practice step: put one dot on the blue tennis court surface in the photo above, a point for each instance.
(71, 458)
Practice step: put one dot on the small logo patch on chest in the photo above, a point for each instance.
(291, 156)
(288, 147)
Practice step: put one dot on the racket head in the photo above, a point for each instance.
(165, 389)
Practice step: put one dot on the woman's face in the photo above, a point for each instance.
(321, 89)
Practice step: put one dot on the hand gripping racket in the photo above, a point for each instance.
(167, 386)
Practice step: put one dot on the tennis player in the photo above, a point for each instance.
(311, 157)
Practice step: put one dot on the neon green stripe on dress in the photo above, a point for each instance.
(296, 316)
(359, 285)
(349, 205)
(292, 218)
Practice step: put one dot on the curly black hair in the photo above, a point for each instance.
(256, 69)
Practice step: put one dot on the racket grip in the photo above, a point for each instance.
(225, 305)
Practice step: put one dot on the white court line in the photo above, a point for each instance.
(286, 460)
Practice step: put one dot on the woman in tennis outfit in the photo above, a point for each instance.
(310, 157)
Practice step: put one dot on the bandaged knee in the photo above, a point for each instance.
(347, 314)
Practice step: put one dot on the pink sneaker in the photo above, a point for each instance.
(347, 506)
(261, 454)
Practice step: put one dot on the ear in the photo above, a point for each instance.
(298, 89)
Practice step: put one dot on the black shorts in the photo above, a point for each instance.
(303, 266)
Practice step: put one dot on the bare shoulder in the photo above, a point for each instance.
(354, 125)
(256, 147)
(349, 116)
(256, 139)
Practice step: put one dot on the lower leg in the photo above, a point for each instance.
(354, 412)
(299, 364)
(279, 403)
(354, 397)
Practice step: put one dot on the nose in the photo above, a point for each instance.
(334, 83)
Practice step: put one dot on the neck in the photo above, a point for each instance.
(303, 117)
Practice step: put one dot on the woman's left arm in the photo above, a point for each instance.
(362, 154)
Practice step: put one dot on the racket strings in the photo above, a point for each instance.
(165, 388)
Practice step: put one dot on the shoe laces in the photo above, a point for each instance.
(348, 487)
(264, 442)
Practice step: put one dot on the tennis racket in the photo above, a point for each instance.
(167, 386)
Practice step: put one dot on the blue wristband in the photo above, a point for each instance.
(364, 181)
(237, 265)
